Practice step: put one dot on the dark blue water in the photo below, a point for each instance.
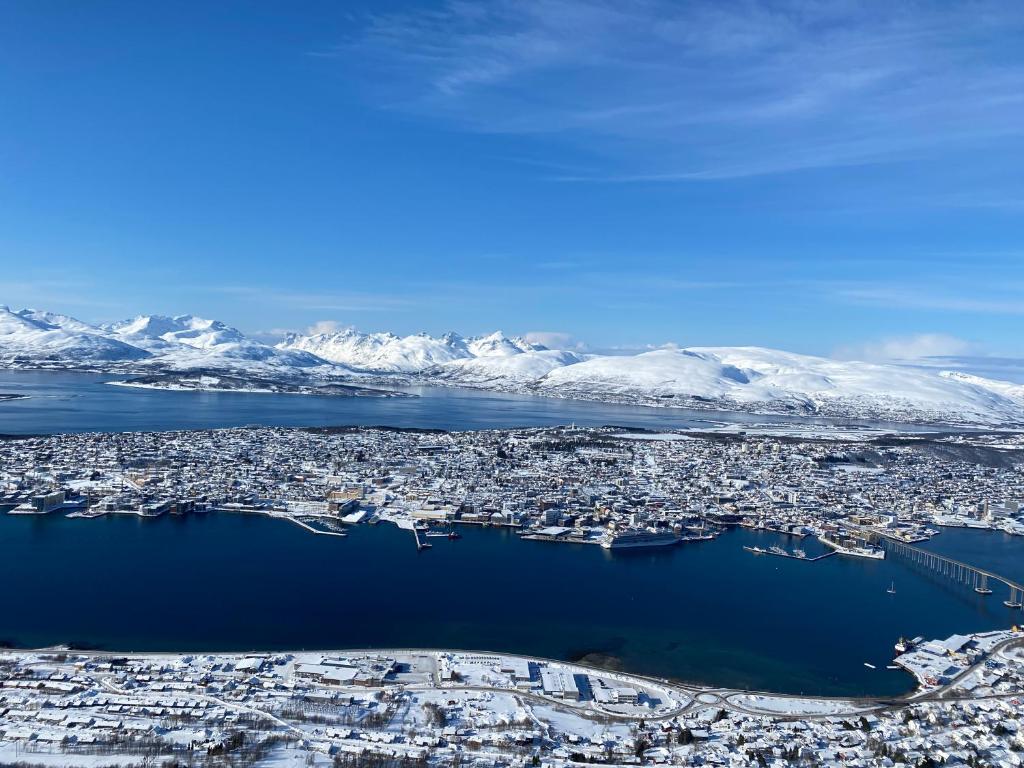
(997, 552)
(81, 402)
(707, 612)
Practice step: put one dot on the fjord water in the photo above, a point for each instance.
(707, 612)
(84, 402)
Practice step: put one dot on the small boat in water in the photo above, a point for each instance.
(892, 588)
(903, 644)
(870, 666)
(756, 550)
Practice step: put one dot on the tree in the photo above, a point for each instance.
(640, 746)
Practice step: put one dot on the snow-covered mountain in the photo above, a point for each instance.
(521, 368)
(37, 337)
(753, 377)
(747, 378)
(186, 342)
(498, 345)
(388, 353)
(384, 352)
(1008, 389)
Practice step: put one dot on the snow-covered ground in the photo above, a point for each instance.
(409, 707)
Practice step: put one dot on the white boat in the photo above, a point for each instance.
(892, 588)
(756, 550)
(904, 645)
(631, 538)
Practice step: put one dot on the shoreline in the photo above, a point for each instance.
(689, 687)
(998, 641)
(433, 707)
(923, 421)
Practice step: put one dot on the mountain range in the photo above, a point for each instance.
(746, 378)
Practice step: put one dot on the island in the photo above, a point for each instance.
(201, 381)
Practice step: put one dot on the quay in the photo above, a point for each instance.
(305, 525)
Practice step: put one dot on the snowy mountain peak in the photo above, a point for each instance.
(386, 352)
(34, 337)
(55, 320)
(497, 344)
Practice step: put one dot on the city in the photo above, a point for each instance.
(569, 485)
(511, 384)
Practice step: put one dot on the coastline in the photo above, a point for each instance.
(422, 706)
(831, 411)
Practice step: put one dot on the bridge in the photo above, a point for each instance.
(963, 573)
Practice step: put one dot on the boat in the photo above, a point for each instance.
(799, 553)
(892, 588)
(756, 550)
(776, 550)
(632, 538)
(903, 644)
(870, 666)
(454, 535)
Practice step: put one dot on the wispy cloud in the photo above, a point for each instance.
(908, 348)
(665, 91)
(317, 301)
(994, 300)
(554, 340)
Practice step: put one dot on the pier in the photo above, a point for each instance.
(963, 573)
(420, 545)
(790, 555)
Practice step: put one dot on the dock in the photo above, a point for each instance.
(420, 545)
(759, 551)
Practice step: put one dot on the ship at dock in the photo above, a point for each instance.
(631, 538)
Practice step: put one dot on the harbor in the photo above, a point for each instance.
(442, 528)
(476, 591)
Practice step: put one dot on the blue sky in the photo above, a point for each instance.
(836, 178)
